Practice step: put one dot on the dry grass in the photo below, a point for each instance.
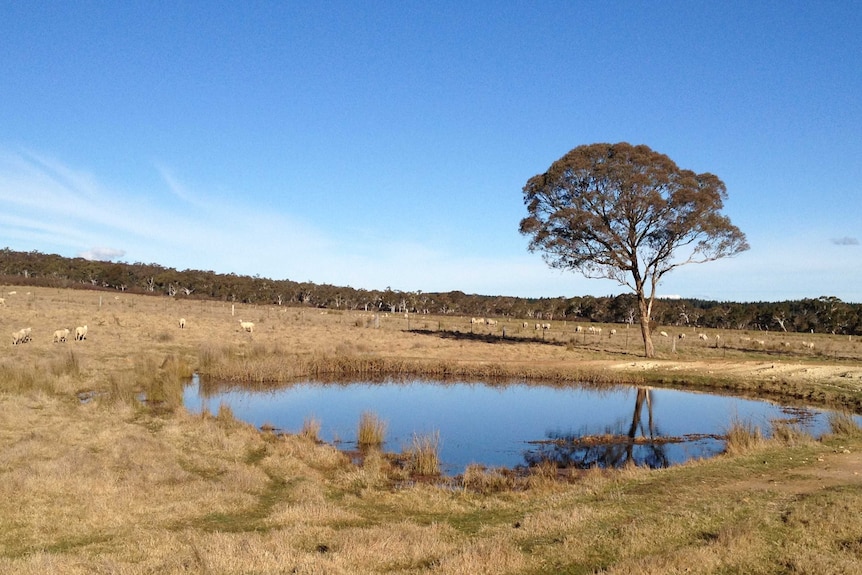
(372, 430)
(742, 437)
(310, 429)
(94, 480)
(423, 455)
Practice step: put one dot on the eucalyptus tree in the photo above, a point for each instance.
(628, 214)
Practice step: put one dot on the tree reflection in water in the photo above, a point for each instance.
(640, 445)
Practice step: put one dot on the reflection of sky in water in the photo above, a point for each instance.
(492, 424)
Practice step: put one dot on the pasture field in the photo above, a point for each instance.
(103, 471)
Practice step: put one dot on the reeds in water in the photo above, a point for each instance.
(311, 429)
(742, 436)
(843, 424)
(424, 454)
(372, 430)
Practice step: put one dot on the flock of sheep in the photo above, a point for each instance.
(24, 335)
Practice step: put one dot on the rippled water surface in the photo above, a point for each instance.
(513, 424)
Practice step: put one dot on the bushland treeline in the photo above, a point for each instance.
(825, 314)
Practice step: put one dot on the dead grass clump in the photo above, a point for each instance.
(372, 430)
(68, 365)
(423, 456)
(225, 416)
(162, 387)
(742, 437)
(19, 379)
(843, 424)
(310, 429)
(481, 479)
(789, 434)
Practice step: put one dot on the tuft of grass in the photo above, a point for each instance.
(164, 337)
(742, 437)
(225, 415)
(423, 456)
(68, 365)
(843, 424)
(788, 433)
(310, 429)
(481, 479)
(372, 430)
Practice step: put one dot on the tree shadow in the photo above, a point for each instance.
(486, 337)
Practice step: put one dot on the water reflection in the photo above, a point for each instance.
(509, 424)
(641, 444)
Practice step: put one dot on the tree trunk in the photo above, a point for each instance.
(649, 350)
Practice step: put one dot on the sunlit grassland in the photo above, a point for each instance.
(102, 470)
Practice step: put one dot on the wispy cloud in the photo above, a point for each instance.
(102, 254)
(845, 241)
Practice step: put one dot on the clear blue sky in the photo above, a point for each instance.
(386, 144)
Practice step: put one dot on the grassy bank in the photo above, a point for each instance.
(94, 480)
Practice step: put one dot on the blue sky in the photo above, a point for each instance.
(386, 144)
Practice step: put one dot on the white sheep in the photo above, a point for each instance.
(182, 323)
(663, 334)
(578, 329)
(490, 322)
(60, 335)
(703, 336)
(81, 333)
(612, 333)
(475, 320)
(19, 337)
(247, 326)
(525, 324)
(546, 326)
(2, 301)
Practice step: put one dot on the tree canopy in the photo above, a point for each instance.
(629, 214)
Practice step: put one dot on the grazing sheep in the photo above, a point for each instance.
(682, 336)
(578, 329)
(703, 336)
(475, 320)
(246, 326)
(182, 323)
(595, 330)
(490, 322)
(81, 333)
(2, 301)
(526, 324)
(663, 334)
(21, 336)
(60, 335)
(612, 333)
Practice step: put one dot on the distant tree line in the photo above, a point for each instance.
(824, 314)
